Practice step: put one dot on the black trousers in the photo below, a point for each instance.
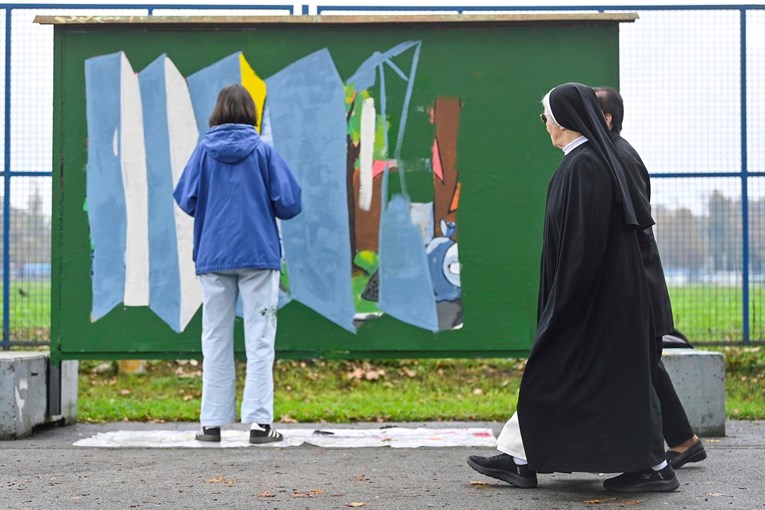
(674, 421)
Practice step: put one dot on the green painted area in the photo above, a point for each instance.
(504, 158)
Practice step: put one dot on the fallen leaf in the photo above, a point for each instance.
(714, 494)
(712, 440)
(597, 501)
(480, 484)
(355, 504)
(266, 495)
(220, 479)
(315, 492)
(478, 391)
(409, 372)
(373, 375)
(286, 418)
(125, 392)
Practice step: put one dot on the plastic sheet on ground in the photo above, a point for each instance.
(394, 437)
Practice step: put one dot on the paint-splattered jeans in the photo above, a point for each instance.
(259, 290)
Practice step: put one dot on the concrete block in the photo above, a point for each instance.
(699, 380)
(70, 371)
(23, 392)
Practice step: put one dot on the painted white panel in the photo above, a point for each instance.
(134, 180)
(183, 135)
(366, 153)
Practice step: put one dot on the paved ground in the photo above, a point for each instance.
(46, 472)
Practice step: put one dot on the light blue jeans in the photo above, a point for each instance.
(259, 290)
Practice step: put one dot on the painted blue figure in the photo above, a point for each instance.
(235, 186)
(443, 260)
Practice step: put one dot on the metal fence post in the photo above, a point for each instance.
(6, 342)
(744, 187)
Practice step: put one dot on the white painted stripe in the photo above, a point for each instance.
(366, 153)
(134, 180)
(183, 134)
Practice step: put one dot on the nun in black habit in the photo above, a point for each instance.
(586, 402)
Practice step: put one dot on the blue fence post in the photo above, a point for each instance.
(304, 9)
(6, 342)
(744, 186)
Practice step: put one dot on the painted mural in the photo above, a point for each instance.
(356, 252)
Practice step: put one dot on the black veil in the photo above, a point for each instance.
(575, 106)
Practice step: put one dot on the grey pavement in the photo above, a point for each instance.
(45, 471)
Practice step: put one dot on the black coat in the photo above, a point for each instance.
(586, 400)
(657, 285)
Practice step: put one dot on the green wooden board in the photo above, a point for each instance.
(500, 71)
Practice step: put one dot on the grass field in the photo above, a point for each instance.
(344, 391)
(714, 314)
(29, 310)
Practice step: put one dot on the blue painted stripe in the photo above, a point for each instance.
(406, 288)
(306, 101)
(105, 192)
(164, 270)
(205, 85)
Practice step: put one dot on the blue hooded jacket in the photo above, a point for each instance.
(235, 186)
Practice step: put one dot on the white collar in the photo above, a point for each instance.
(574, 144)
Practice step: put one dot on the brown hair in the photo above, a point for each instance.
(234, 106)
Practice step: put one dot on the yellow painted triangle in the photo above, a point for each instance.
(254, 85)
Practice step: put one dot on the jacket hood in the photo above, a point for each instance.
(231, 143)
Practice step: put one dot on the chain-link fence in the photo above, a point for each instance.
(693, 81)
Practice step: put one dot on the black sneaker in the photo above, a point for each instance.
(266, 434)
(209, 434)
(503, 467)
(646, 480)
(696, 453)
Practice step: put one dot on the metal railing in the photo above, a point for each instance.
(710, 208)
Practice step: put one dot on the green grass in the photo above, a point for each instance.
(345, 391)
(714, 314)
(30, 310)
(744, 382)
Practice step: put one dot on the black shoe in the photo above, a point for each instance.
(502, 467)
(209, 434)
(696, 453)
(646, 480)
(266, 434)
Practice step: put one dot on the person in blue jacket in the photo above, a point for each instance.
(235, 186)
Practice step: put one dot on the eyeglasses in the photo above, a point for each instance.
(543, 118)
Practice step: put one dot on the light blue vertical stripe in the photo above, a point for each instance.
(406, 289)
(306, 101)
(164, 271)
(205, 84)
(105, 192)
